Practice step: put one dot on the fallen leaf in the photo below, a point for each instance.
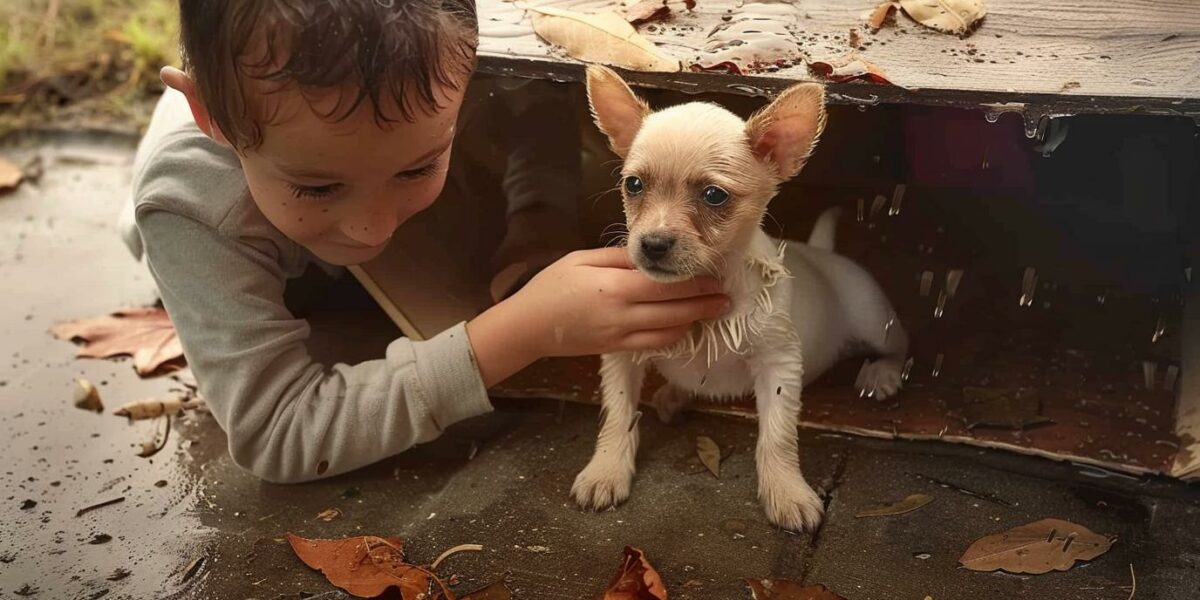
(144, 333)
(1039, 547)
(367, 566)
(329, 514)
(782, 589)
(758, 37)
(1010, 408)
(951, 16)
(86, 396)
(156, 443)
(496, 591)
(636, 579)
(646, 11)
(849, 68)
(151, 408)
(10, 175)
(605, 38)
(906, 505)
(710, 454)
(880, 15)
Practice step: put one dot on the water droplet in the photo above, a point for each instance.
(991, 116)
(887, 328)
(937, 364)
(897, 198)
(953, 278)
(926, 283)
(1149, 373)
(1170, 378)
(1187, 274)
(941, 305)
(861, 209)
(877, 205)
(908, 365)
(1028, 286)
(1101, 298)
(1160, 328)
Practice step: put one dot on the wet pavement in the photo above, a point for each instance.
(192, 525)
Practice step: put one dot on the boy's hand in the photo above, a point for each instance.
(589, 302)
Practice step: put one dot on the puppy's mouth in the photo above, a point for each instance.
(658, 271)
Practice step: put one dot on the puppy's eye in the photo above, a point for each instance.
(714, 196)
(633, 185)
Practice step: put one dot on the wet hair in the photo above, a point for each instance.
(393, 54)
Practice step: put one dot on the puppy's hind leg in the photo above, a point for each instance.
(875, 324)
(607, 479)
(669, 400)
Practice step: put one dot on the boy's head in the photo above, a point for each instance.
(341, 111)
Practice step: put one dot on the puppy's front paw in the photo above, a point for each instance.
(604, 483)
(880, 379)
(791, 504)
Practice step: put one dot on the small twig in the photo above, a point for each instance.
(455, 550)
(1132, 576)
(88, 509)
(192, 567)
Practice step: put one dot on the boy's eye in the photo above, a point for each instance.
(421, 173)
(315, 191)
(714, 196)
(633, 185)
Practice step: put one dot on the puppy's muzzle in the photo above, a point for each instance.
(656, 247)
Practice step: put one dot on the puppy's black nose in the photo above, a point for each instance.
(656, 246)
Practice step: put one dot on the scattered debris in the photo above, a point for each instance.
(879, 16)
(100, 538)
(119, 574)
(710, 454)
(27, 590)
(1010, 408)
(10, 176)
(329, 514)
(193, 568)
(907, 505)
(88, 509)
(1036, 548)
(151, 408)
(28, 504)
(1133, 582)
(87, 397)
(950, 16)
(496, 591)
(646, 11)
(782, 589)
(854, 40)
(636, 579)
(351, 492)
(455, 550)
(759, 36)
(157, 442)
(146, 334)
(849, 67)
(966, 492)
(367, 566)
(604, 37)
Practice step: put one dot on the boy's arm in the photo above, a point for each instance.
(289, 418)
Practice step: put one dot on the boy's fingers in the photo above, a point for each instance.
(654, 338)
(639, 288)
(675, 313)
(613, 258)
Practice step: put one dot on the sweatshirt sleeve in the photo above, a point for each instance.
(288, 418)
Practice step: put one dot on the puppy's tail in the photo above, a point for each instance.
(825, 230)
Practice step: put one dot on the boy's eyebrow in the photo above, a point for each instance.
(307, 173)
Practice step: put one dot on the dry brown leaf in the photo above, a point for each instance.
(605, 38)
(157, 442)
(906, 505)
(951, 16)
(149, 409)
(87, 397)
(329, 514)
(496, 591)
(1039, 547)
(782, 589)
(880, 15)
(10, 175)
(367, 566)
(848, 68)
(636, 580)
(144, 333)
(646, 11)
(710, 454)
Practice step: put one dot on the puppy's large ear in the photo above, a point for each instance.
(786, 131)
(617, 110)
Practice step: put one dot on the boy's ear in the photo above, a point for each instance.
(618, 112)
(786, 131)
(183, 83)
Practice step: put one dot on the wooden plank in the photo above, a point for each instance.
(1042, 59)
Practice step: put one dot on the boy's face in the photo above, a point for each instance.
(340, 189)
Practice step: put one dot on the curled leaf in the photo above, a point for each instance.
(636, 579)
(604, 37)
(146, 334)
(152, 408)
(329, 514)
(880, 15)
(87, 397)
(1039, 547)
(951, 16)
(710, 454)
(906, 505)
(646, 11)
(367, 566)
(848, 68)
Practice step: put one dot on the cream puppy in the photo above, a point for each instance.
(696, 182)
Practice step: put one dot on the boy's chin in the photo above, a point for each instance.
(345, 256)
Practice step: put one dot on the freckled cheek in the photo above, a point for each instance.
(299, 219)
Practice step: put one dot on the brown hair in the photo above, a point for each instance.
(366, 50)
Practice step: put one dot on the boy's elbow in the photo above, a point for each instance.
(271, 460)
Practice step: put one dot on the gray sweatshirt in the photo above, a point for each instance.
(221, 268)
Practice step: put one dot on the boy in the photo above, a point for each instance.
(306, 132)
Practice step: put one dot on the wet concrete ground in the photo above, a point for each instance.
(500, 480)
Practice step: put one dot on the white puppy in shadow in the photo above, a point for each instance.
(696, 182)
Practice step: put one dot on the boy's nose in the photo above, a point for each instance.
(372, 230)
